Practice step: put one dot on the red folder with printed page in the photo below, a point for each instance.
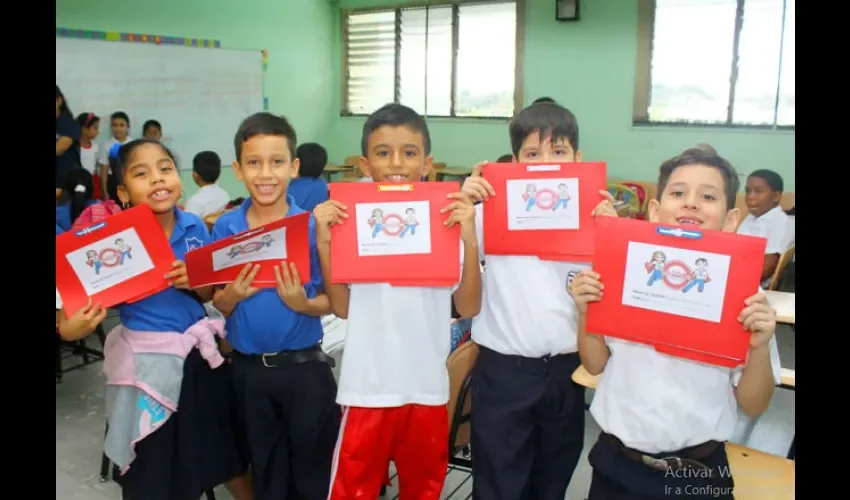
(544, 210)
(679, 289)
(123, 258)
(395, 234)
(287, 239)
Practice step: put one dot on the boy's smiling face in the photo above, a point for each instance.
(266, 167)
(396, 154)
(695, 195)
(120, 129)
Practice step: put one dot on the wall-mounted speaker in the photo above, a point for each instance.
(567, 10)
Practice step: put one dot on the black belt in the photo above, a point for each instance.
(689, 458)
(282, 358)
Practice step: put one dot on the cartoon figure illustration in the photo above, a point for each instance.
(93, 260)
(699, 277)
(410, 222)
(376, 221)
(124, 249)
(563, 197)
(267, 240)
(655, 267)
(530, 196)
(235, 250)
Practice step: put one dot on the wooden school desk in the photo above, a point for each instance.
(784, 304)
(453, 172)
(758, 475)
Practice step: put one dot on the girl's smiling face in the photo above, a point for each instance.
(151, 178)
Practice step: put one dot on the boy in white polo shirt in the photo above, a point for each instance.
(394, 385)
(766, 218)
(665, 419)
(528, 414)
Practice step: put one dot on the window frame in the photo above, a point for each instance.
(643, 76)
(519, 50)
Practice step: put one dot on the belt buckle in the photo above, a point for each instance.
(660, 464)
(265, 357)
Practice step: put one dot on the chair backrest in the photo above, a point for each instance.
(784, 260)
(435, 169)
(460, 365)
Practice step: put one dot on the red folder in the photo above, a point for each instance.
(121, 259)
(395, 234)
(287, 239)
(679, 289)
(543, 210)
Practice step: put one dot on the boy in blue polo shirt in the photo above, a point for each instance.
(282, 377)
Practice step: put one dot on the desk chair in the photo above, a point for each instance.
(78, 347)
(784, 260)
(459, 366)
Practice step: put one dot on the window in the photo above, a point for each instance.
(451, 60)
(716, 62)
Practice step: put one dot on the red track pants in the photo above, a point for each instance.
(414, 437)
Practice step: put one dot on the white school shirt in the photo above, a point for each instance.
(772, 225)
(207, 200)
(654, 402)
(396, 346)
(700, 273)
(88, 158)
(104, 150)
(526, 309)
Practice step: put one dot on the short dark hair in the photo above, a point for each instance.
(395, 115)
(151, 123)
(264, 123)
(543, 99)
(313, 158)
(119, 115)
(86, 120)
(508, 158)
(547, 119)
(771, 178)
(120, 166)
(207, 164)
(702, 156)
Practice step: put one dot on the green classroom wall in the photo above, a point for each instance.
(589, 66)
(297, 33)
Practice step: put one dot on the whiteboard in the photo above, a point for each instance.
(199, 95)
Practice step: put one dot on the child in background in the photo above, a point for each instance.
(77, 194)
(309, 188)
(67, 141)
(766, 218)
(394, 386)
(152, 130)
(89, 130)
(197, 447)
(665, 419)
(528, 423)
(284, 383)
(210, 197)
(120, 124)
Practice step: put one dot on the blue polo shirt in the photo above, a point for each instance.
(63, 214)
(308, 192)
(170, 310)
(262, 323)
(59, 230)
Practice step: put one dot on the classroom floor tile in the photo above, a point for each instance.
(80, 421)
